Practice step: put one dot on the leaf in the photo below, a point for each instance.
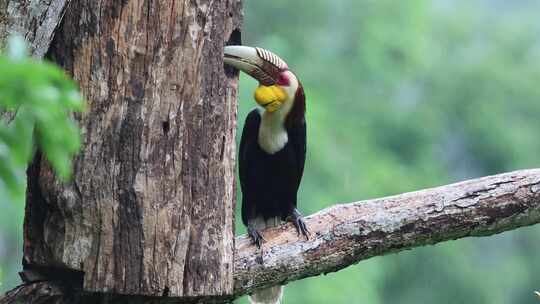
(42, 97)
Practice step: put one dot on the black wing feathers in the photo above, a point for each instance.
(297, 138)
(248, 137)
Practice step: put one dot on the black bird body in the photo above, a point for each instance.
(270, 182)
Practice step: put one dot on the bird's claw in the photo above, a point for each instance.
(256, 236)
(300, 224)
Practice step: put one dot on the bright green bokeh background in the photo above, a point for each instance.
(402, 95)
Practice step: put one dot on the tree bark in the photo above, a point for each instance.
(345, 234)
(149, 210)
(35, 20)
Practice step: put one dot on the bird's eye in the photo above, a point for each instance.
(283, 80)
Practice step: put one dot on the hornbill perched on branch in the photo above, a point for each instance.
(272, 148)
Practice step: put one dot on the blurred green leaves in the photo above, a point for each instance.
(36, 98)
(404, 95)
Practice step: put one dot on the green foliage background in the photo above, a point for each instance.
(401, 95)
(404, 95)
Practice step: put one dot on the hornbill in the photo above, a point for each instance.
(272, 148)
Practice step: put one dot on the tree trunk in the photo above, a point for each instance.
(149, 210)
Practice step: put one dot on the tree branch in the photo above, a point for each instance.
(345, 234)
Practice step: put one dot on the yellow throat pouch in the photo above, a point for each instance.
(271, 97)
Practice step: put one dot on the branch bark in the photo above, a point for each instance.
(345, 234)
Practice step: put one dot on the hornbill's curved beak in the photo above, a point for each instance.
(259, 63)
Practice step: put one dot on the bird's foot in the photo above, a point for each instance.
(300, 223)
(255, 235)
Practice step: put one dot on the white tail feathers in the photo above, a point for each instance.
(270, 295)
(260, 223)
(273, 294)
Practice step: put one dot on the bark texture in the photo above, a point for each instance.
(149, 210)
(54, 292)
(35, 20)
(36, 293)
(345, 234)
